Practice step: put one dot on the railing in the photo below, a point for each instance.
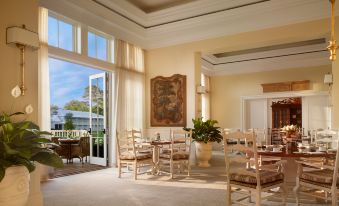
(69, 133)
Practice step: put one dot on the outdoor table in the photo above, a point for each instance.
(69, 143)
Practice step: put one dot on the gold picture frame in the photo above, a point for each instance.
(168, 101)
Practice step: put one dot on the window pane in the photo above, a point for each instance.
(101, 48)
(91, 45)
(52, 31)
(65, 36)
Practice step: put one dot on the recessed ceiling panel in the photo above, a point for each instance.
(271, 48)
(156, 5)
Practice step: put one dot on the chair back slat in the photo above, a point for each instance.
(241, 159)
(240, 148)
(125, 142)
(244, 171)
(182, 136)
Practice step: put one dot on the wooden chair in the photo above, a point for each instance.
(139, 140)
(262, 139)
(129, 155)
(85, 147)
(178, 152)
(241, 176)
(62, 150)
(316, 176)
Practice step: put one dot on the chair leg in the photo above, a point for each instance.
(171, 168)
(188, 169)
(296, 191)
(119, 168)
(334, 196)
(284, 193)
(228, 195)
(135, 170)
(258, 197)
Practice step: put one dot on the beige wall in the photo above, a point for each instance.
(181, 58)
(16, 13)
(226, 91)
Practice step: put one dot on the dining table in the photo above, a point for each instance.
(68, 143)
(290, 157)
(156, 145)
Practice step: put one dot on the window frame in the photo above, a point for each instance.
(110, 42)
(76, 32)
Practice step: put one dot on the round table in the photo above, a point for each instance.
(291, 167)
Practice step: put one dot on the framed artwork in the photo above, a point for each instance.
(168, 101)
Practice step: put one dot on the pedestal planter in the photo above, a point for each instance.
(203, 152)
(15, 186)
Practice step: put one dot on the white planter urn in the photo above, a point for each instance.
(203, 152)
(14, 187)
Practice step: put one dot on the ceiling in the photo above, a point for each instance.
(154, 24)
(155, 5)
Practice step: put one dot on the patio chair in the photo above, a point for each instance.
(178, 152)
(129, 154)
(62, 150)
(82, 149)
(240, 176)
(319, 178)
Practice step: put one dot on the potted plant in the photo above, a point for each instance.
(203, 134)
(21, 144)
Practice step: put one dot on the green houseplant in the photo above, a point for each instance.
(203, 134)
(21, 145)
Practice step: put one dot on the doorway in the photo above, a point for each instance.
(79, 108)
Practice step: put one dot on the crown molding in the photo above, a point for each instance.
(194, 21)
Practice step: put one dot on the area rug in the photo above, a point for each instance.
(76, 168)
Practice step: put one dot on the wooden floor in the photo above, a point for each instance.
(76, 168)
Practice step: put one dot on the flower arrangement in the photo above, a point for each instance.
(290, 128)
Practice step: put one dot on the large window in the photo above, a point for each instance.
(100, 46)
(62, 33)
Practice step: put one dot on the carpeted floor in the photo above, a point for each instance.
(205, 187)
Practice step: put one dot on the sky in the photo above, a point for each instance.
(68, 80)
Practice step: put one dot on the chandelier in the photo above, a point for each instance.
(332, 47)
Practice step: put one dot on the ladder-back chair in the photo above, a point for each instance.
(240, 175)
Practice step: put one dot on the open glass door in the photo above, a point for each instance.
(97, 120)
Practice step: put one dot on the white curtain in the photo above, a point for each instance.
(205, 98)
(44, 117)
(131, 86)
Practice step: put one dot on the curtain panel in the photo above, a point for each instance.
(44, 117)
(205, 98)
(131, 86)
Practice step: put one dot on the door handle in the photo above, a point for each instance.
(104, 131)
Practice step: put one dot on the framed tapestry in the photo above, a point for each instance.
(168, 101)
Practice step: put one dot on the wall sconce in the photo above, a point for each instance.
(328, 79)
(22, 38)
(201, 89)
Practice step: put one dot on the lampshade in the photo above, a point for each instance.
(328, 79)
(201, 90)
(22, 36)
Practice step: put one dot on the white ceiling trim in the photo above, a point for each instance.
(270, 64)
(265, 54)
(269, 14)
